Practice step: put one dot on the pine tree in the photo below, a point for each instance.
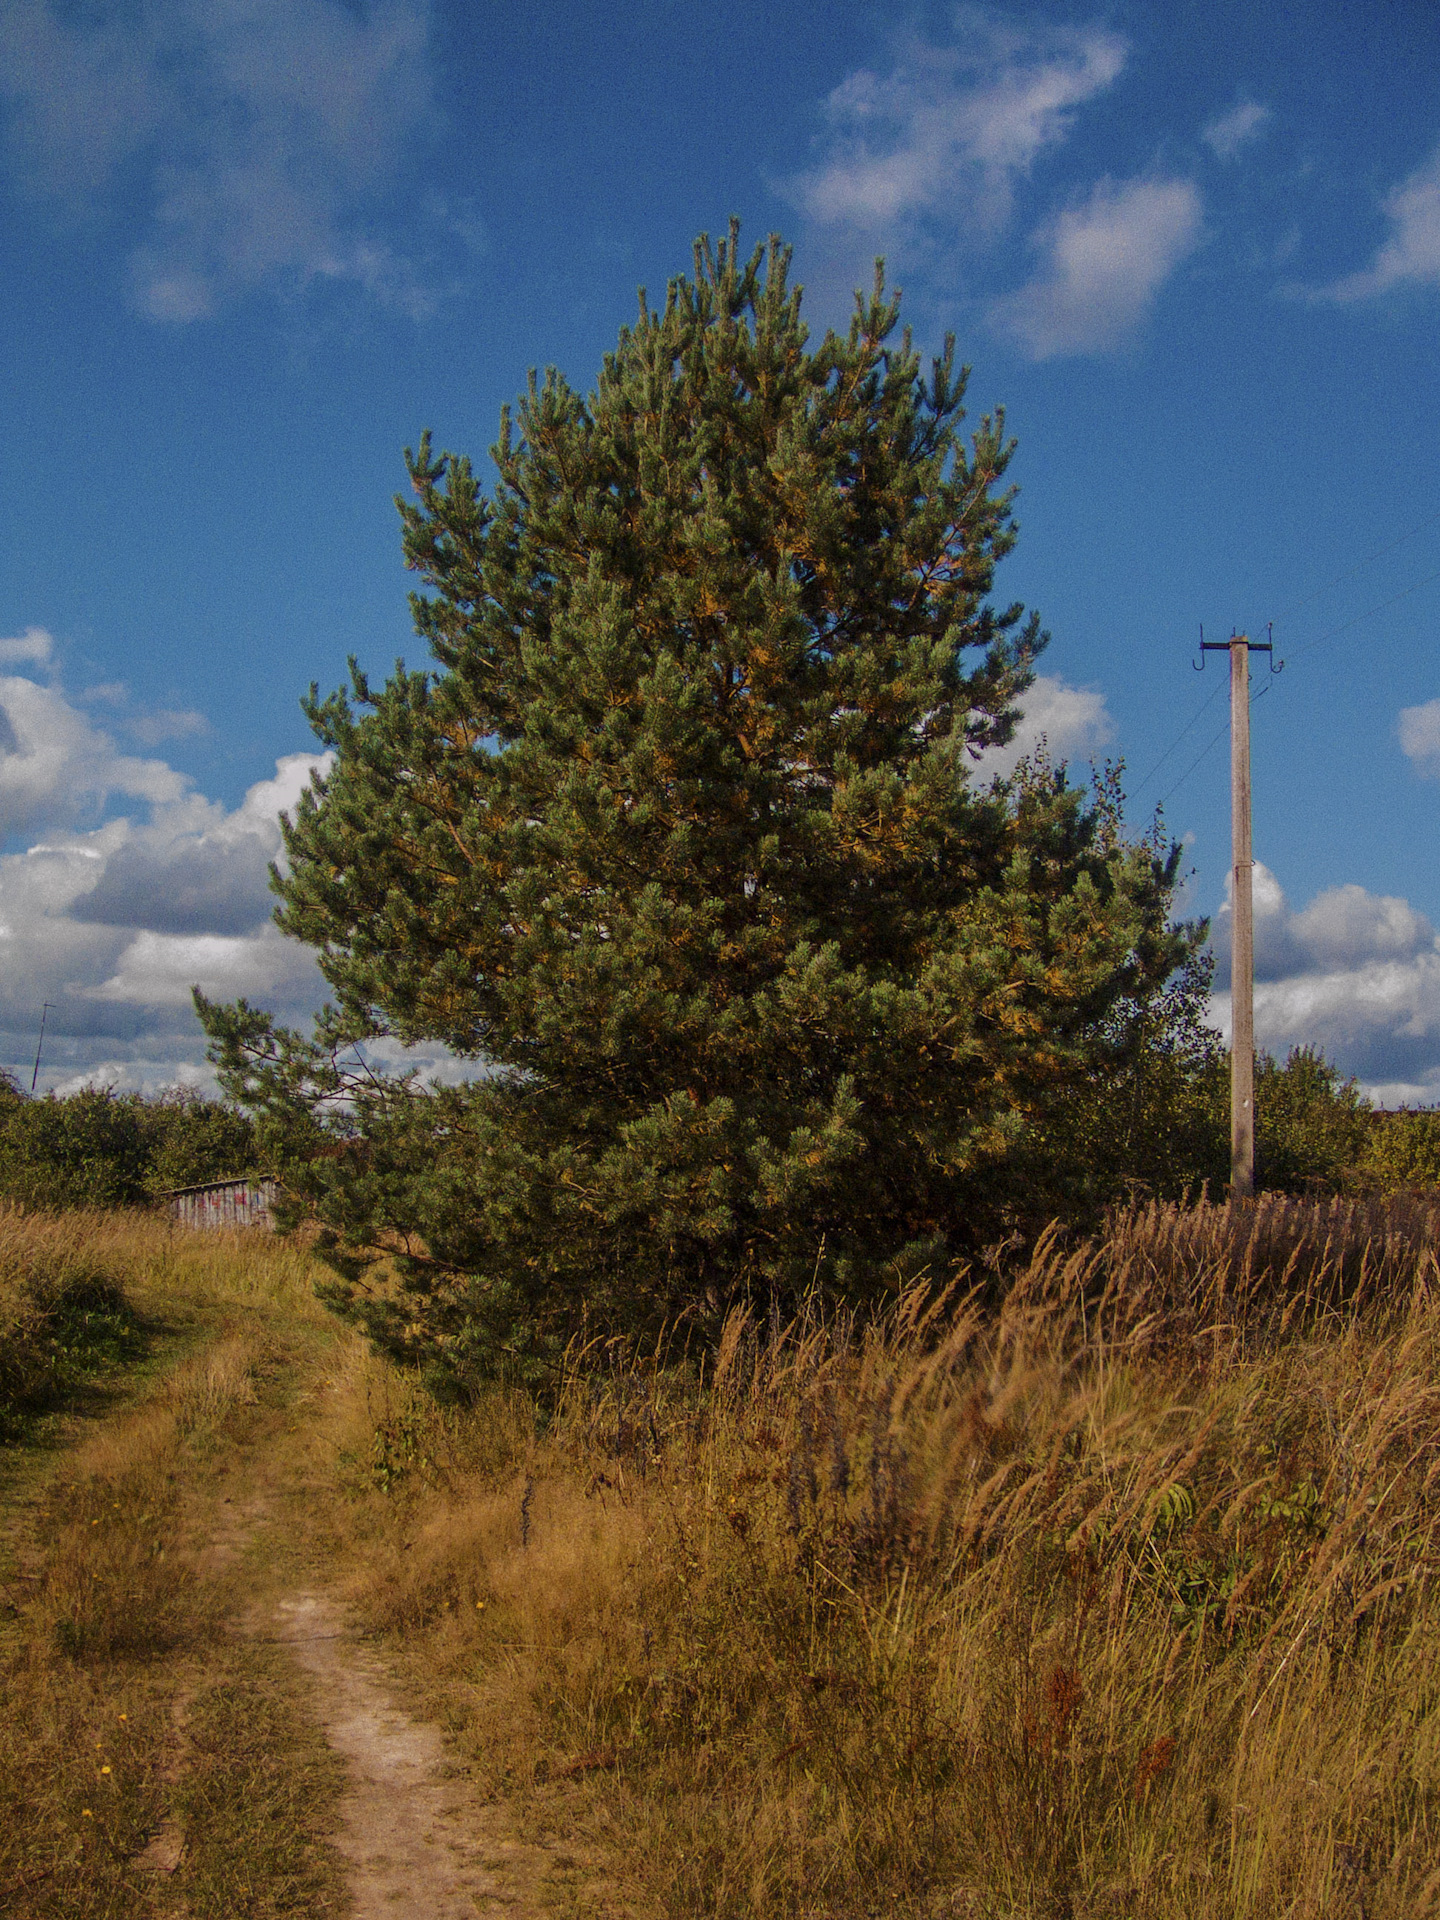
(679, 840)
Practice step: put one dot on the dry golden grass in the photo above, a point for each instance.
(101, 1591)
(76, 1291)
(64, 1316)
(1117, 1601)
(1115, 1598)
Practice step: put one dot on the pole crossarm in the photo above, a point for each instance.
(1239, 639)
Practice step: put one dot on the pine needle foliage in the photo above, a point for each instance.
(680, 840)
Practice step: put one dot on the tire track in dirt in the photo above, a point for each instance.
(415, 1840)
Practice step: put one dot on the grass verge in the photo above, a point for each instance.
(257, 1772)
(86, 1294)
(126, 1708)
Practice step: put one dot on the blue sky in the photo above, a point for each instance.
(251, 247)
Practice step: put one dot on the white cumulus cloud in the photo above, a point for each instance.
(1104, 264)
(1070, 722)
(948, 130)
(1419, 730)
(157, 970)
(1354, 973)
(124, 887)
(55, 766)
(1411, 253)
(243, 141)
(194, 869)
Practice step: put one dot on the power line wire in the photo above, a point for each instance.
(1292, 653)
(1376, 553)
(1204, 754)
(1369, 614)
(1359, 567)
(1194, 720)
(1206, 751)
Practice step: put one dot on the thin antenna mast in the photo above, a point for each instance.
(48, 1008)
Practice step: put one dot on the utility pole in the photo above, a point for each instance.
(1242, 914)
(1242, 932)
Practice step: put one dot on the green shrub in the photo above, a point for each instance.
(197, 1140)
(1402, 1151)
(88, 1149)
(99, 1148)
(1151, 1119)
(1312, 1126)
(1156, 1122)
(64, 1316)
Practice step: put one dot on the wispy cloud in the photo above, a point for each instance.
(242, 142)
(949, 130)
(166, 723)
(1104, 263)
(1419, 730)
(1411, 254)
(151, 726)
(31, 648)
(1229, 136)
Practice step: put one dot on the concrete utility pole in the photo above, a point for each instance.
(1242, 931)
(1242, 916)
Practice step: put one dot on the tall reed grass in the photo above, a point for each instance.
(1117, 1599)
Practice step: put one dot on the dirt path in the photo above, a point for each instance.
(415, 1841)
(267, 1643)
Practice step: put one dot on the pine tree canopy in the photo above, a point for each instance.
(680, 840)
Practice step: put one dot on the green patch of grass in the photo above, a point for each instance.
(100, 1595)
(81, 1761)
(123, 1709)
(93, 1761)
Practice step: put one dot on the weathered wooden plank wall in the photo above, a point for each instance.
(224, 1203)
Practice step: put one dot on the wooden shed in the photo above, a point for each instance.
(224, 1203)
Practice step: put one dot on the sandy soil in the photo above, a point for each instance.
(417, 1841)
